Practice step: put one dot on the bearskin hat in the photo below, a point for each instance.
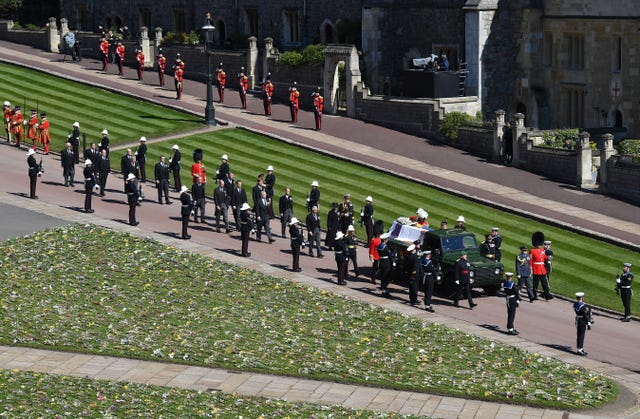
(537, 238)
(197, 154)
(378, 227)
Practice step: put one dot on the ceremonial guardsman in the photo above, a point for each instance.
(178, 77)
(583, 321)
(297, 241)
(104, 168)
(8, 114)
(197, 168)
(89, 184)
(460, 223)
(384, 263)
(104, 141)
(161, 62)
(294, 96)
(429, 274)
(185, 211)
(32, 128)
(141, 157)
(374, 257)
(314, 196)
(411, 267)
(463, 280)
(67, 161)
(246, 225)
(243, 87)
(548, 263)
(267, 91)
(352, 249)
(497, 242)
(17, 120)
(366, 218)
(161, 172)
(174, 167)
(132, 198)
(318, 106)
(285, 208)
(34, 169)
(488, 248)
(139, 56)
(43, 132)
(199, 199)
(538, 260)
(346, 213)
(342, 258)
(74, 139)
(523, 272)
(120, 58)
(104, 53)
(513, 300)
(623, 287)
(221, 79)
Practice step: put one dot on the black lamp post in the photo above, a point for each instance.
(209, 111)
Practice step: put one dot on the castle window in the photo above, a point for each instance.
(291, 26)
(575, 51)
(617, 54)
(547, 59)
(252, 21)
(145, 16)
(573, 106)
(179, 21)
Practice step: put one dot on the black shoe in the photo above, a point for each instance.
(414, 303)
(169, 202)
(248, 254)
(626, 319)
(270, 240)
(310, 254)
(455, 304)
(472, 305)
(429, 309)
(512, 332)
(357, 274)
(298, 269)
(135, 223)
(34, 197)
(320, 256)
(187, 237)
(581, 352)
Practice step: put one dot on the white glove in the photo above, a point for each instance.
(518, 276)
(370, 258)
(457, 282)
(24, 122)
(518, 302)
(617, 280)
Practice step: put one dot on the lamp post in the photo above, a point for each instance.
(209, 111)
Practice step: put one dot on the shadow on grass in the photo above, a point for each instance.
(147, 116)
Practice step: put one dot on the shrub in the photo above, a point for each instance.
(174, 38)
(556, 139)
(31, 27)
(192, 38)
(452, 121)
(16, 26)
(313, 54)
(631, 147)
(291, 58)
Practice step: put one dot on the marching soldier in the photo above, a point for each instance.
(429, 275)
(583, 321)
(104, 141)
(174, 167)
(67, 161)
(17, 130)
(8, 114)
(314, 196)
(243, 86)
(513, 300)
(342, 258)
(547, 264)
(313, 232)
(246, 225)
(497, 242)
(139, 56)
(623, 287)
(366, 218)
(199, 200)
(294, 96)
(346, 213)
(89, 184)
(221, 78)
(161, 172)
(267, 90)
(352, 250)
(463, 280)
(74, 139)
(34, 169)
(132, 198)
(411, 266)
(161, 62)
(285, 208)
(185, 211)
(488, 248)
(32, 128)
(178, 77)
(297, 241)
(141, 157)
(120, 58)
(384, 263)
(523, 272)
(538, 260)
(318, 105)
(221, 200)
(104, 168)
(43, 132)
(104, 53)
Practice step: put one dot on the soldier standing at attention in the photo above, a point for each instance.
(221, 78)
(104, 168)
(17, 129)
(294, 96)
(547, 265)
(8, 114)
(161, 62)
(43, 132)
(285, 208)
(174, 166)
(197, 168)
(314, 196)
(267, 90)
(162, 180)
(185, 211)
(132, 198)
(297, 241)
(352, 250)
(243, 86)
(34, 168)
(523, 272)
(120, 58)
(411, 266)
(366, 218)
(318, 106)
(538, 260)
(497, 241)
(139, 62)
(623, 287)
(462, 271)
(583, 321)
(513, 300)
(429, 275)
(384, 266)
(178, 76)
(32, 128)
(342, 259)
(246, 225)
(89, 183)
(67, 161)
(141, 156)
(374, 257)
(104, 53)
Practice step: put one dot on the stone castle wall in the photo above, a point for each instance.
(624, 178)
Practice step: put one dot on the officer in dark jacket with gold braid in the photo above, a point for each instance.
(462, 270)
(583, 321)
(623, 287)
(512, 295)
(89, 184)
(185, 211)
(132, 198)
(297, 241)
(342, 258)
(429, 273)
(246, 225)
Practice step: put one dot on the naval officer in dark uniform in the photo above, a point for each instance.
(623, 287)
(583, 321)
(185, 211)
(512, 295)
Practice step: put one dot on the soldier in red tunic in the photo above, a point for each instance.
(221, 78)
(8, 115)
(161, 60)
(104, 53)
(197, 168)
(178, 75)
(318, 105)
(139, 62)
(32, 128)
(43, 132)
(120, 58)
(538, 259)
(17, 130)
(267, 90)
(243, 86)
(293, 102)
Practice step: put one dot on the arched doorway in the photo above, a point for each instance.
(618, 119)
(333, 55)
(221, 32)
(521, 108)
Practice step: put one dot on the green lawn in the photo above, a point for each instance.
(66, 101)
(88, 289)
(580, 263)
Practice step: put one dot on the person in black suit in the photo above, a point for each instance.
(199, 199)
(313, 231)
(74, 139)
(67, 161)
(141, 156)
(246, 225)
(104, 168)
(174, 166)
(34, 169)
(297, 241)
(125, 165)
(185, 211)
(238, 198)
(162, 180)
(256, 192)
(269, 184)
(262, 216)
(333, 225)
(224, 169)
(285, 208)
(222, 209)
(89, 183)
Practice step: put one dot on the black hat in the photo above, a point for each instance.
(378, 227)
(197, 154)
(537, 238)
(523, 247)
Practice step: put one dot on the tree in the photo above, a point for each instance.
(9, 8)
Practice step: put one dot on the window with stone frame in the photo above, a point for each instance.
(617, 54)
(253, 22)
(145, 16)
(547, 45)
(575, 51)
(572, 105)
(291, 26)
(179, 21)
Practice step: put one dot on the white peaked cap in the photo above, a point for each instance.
(460, 219)
(87, 162)
(143, 139)
(293, 221)
(270, 168)
(131, 176)
(31, 152)
(314, 183)
(245, 207)
(176, 147)
(339, 235)
(6, 103)
(183, 189)
(351, 228)
(224, 157)
(76, 124)
(104, 131)
(369, 199)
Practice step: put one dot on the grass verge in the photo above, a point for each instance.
(580, 263)
(89, 289)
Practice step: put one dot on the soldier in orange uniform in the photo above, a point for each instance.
(178, 76)
(32, 128)
(293, 102)
(120, 58)
(43, 132)
(243, 86)
(161, 60)
(267, 89)
(104, 53)
(139, 62)
(17, 130)
(538, 259)
(8, 115)
(318, 105)
(197, 168)
(221, 78)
